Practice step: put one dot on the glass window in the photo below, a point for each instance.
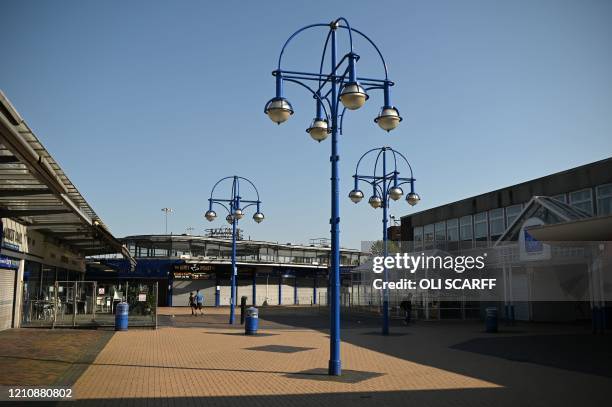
(440, 231)
(465, 230)
(560, 198)
(512, 212)
(418, 238)
(428, 235)
(496, 223)
(481, 227)
(582, 200)
(604, 199)
(452, 230)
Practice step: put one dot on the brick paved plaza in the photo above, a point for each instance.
(193, 361)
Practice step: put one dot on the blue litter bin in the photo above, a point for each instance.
(491, 319)
(252, 321)
(121, 316)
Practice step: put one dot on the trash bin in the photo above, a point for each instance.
(491, 319)
(121, 316)
(252, 321)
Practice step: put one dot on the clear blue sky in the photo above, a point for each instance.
(146, 104)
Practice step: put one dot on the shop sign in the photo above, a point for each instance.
(193, 268)
(182, 275)
(6, 262)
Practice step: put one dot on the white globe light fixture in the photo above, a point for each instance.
(319, 129)
(395, 193)
(356, 195)
(388, 118)
(210, 215)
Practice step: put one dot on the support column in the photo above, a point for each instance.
(295, 290)
(314, 289)
(217, 291)
(280, 288)
(254, 288)
(18, 309)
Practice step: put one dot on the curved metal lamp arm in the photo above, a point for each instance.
(373, 44)
(253, 185)
(314, 94)
(229, 212)
(217, 183)
(280, 57)
(364, 154)
(407, 163)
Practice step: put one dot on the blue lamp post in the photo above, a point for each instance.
(235, 207)
(331, 90)
(384, 185)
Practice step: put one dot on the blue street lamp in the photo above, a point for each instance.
(235, 207)
(330, 90)
(384, 185)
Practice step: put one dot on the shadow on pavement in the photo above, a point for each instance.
(440, 397)
(558, 351)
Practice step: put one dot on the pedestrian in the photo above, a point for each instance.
(199, 298)
(192, 303)
(406, 306)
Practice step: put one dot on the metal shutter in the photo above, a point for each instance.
(182, 288)
(7, 296)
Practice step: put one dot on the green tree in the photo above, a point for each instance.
(377, 247)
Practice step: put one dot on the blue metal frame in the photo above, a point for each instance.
(381, 184)
(325, 88)
(232, 204)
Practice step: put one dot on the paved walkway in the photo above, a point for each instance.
(193, 361)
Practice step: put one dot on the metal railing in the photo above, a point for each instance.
(88, 304)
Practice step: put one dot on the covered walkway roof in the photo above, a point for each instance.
(35, 191)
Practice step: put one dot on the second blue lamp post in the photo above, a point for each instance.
(333, 92)
(385, 185)
(235, 207)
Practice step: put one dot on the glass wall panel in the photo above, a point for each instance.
(582, 200)
(512, 212)
(496, 223)
(465, 228)
(452, 230)
(481, 227)
(604, 199)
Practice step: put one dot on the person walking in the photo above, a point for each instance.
(199, 298)
(406, 306)
(192, 303)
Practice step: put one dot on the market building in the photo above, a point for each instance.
(269, 273)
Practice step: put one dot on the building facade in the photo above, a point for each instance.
(47, 229)
(268, 272)
(579, 199)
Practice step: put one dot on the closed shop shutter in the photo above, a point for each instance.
(226, 292)
(7, 295)
(182, 288)
(245, 288)
(261, 290)
(305, 290)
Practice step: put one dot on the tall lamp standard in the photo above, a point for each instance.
(384, 185)
(339, 85)
(235, 207)
(166, 212)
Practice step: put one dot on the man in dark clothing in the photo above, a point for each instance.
(192, 303)
(406, 306)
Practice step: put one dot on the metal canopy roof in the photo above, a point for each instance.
(562, 213)
(36, 191)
